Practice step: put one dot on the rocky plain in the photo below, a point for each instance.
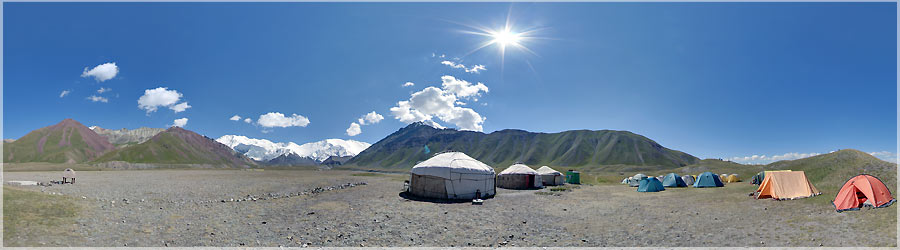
(309, 208)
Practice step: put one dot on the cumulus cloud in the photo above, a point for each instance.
(409, 84)
(462, 88)
(763, 159)
(354, 129)
(474, 69)
(64, 93)
(275, 119)
(235, 118)
(180, 122)
(433, 102)
(94, 98)
(102, 89)
(161, 97)
(885, 156)
(370, 118)
(102, 72)
(180, 107)
(248, 120)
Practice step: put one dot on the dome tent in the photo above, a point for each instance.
(731, 178)
(673, 180)
(650, 185)
(451, 175)
(707, 179)
(688, 179)
(551, 177)
(519, 176)
(860, 191)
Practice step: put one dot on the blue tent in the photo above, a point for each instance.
(673, 180)
(708, 179)
(650, 185)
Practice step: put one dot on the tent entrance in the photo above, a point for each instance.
(530, 183)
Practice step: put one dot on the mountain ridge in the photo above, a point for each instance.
(404, 148)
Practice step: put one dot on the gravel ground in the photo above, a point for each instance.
(336, 208)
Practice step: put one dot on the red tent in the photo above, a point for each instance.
(862, 190)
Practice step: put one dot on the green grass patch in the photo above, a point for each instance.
(33, 215)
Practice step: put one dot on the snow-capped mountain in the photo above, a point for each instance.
(265, 150)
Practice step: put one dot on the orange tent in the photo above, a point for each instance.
(862, 190)
(786, 185)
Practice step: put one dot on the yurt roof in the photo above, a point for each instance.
(443, 164)
(518, 168)
(545, 170)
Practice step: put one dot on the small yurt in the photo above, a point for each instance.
(519, 176)
(69, 174)
(451, 175)
(551, 177)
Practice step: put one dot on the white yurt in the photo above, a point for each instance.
(551, 177)
(452, 175)
(519, 176)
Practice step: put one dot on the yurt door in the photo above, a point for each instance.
(530, 181)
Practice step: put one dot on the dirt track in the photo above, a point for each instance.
(185, 208)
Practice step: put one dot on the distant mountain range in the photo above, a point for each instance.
(178, 146)
(406, 147)
(126, 136)
(264, 150)
(66, 142)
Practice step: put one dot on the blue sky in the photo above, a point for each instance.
(716, 80)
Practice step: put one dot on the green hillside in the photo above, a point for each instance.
(577, 148)
(830, 171)
(66, 142)
(178, 146)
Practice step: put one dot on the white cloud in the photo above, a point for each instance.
(64, 93)
(370, 118)
(885, 156)
(433, 102)
(161, 97)
(180, 107)
(235, 118)
(94, 98)
(275, 119)
(102, 89)
(409, 84)
(102, 72)
(462, 88)
(354, 129)
(180, 122)
(474, 69)
(763, 159)
(248, 120)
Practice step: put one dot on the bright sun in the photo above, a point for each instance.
(505, 37)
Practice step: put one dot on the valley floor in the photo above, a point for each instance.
(185, 208)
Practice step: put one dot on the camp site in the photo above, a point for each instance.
(449, 124)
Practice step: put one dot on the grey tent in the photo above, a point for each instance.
(688, 179)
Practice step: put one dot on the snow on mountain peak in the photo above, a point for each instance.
(265, 150)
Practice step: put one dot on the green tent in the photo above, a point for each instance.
(673, 180)
(650, 185)
(708, 179)
(758, 178)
